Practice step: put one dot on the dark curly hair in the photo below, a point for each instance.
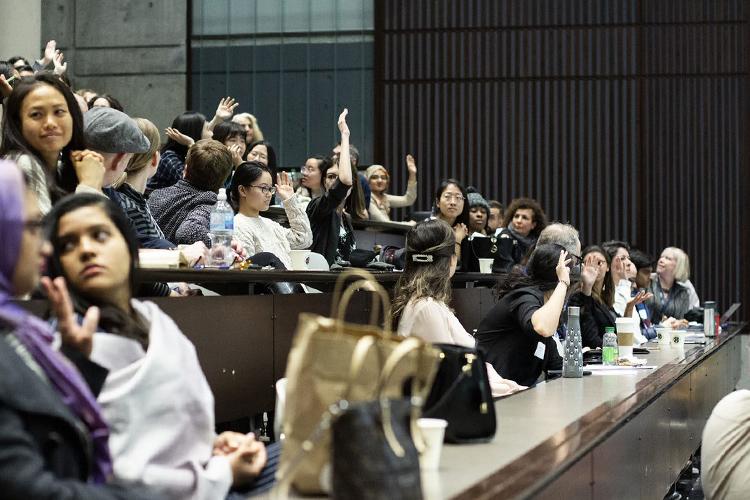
(540, 218)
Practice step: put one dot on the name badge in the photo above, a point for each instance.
(642, 313)
(540, 350)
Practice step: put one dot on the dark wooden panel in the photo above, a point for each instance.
(628, 119)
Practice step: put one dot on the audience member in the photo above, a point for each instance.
(263, 152)
(313, 172)
(670, 298)
(53, 436)
(380, 201)
(451, 208)
(624, 302)
(251, 192)
(183, 211)
(232, 135)
(643, 265)
(154, 373)
(595, 296)
(250, 124)
(524, 220)
(564, 235)
(495, 220)
(360, 198)
(423, 292)
(43, 133)
(333, 235)
(479, 211)
(104, 101)
(518, 332)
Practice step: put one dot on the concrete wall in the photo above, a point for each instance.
(134, 50)
(20, 28)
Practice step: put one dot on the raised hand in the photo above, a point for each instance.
(236, 150)
(589, 272)
(80, 337)
(5, 87)
(89, 166)
(562, 270)
(343, 127)
(60, 67)
(49, 53)
(460, 231)
(226, 108)
(284, 186)
(640, 297)
(179, 137)
(411, 165)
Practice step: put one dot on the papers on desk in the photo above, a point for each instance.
(692, 337)
(616, 370)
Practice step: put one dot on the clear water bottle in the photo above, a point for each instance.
(573, 353)
(609, 346)
(221, 230)
(709, 313)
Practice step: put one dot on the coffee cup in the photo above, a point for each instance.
(625, 336)
(485, 265)
(663, 335)
(677, 338)
(300, 259)
(433, 431)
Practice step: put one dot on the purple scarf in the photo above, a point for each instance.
(36, 335)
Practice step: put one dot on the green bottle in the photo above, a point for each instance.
(609, 346)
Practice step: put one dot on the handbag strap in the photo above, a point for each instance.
(364, 276)
(380, 293)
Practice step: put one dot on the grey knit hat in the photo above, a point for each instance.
(107, 130)
(476, 200)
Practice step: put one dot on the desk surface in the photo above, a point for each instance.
(543, 430)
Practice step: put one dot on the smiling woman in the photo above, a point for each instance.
(42, 126)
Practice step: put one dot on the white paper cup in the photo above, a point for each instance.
(300, 259)
(677, 338)
(485, 265)
(663, 335)
(625, 336)
(433, 431)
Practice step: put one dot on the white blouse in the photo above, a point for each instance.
(434, 322)
(260, 234)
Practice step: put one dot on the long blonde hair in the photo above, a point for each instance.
(430, 246)
(257, 133)
(139, 161)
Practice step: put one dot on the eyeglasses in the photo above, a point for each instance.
(332, 177)
(379, 177)
(265, 189)
(308, 170)
(575, 259)
(449, 197)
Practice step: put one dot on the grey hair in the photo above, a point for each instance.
(561, 234)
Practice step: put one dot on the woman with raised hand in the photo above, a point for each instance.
(422, 294)
(595, 296)
(43, 133)
(53, 437)
(518, 334)
(381, 202)
(250, 193)
(154, 373)
(333, 234)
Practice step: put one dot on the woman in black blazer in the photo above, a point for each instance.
(595, 296)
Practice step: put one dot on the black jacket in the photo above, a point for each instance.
(325, 221)
(45, 451)
(595, 317)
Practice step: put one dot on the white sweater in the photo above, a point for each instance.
(259, 234)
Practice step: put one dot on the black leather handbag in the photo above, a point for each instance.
(374, 456)
(461, 395)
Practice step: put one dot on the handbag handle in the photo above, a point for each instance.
(344, 299)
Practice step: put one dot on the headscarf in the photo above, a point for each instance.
(36, 335)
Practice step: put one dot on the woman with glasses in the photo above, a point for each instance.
(381, 202)
(250, 193)
(451, 207)
(333, 234)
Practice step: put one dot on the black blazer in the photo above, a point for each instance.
(45, 451)
(595, 317)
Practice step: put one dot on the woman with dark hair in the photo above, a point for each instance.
(452, 208)
(250, 194)
(186, 130)
(263, 152)
(314, 173)
(154, 374)
(333, 234)
(524, 220)
(43, 133)
(595, 296)
(518, 332)
(53, 436)
(232, 135)
(106, 101)
(423, 292)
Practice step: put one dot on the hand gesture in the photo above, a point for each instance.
(60, 67)
(228, 442)
(343, 127)
(460, 231)
(5, 87)
(247, 461)
(411, 165)
(80, 337)
(562, 270)
(589, 272)
(239, 249)
(641, 297)
(89, 166)
(226, 108)
(49, 53)
(284, 186)
(236, 150)
(179, 137)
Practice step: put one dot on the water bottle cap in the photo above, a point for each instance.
(222, 194)
(609, 329)
(709, 304)
(574, 311)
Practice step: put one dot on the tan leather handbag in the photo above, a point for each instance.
(331, 361)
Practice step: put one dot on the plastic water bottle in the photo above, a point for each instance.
(709, 318)
(609, 346)
(573, 354)
(221, 230)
